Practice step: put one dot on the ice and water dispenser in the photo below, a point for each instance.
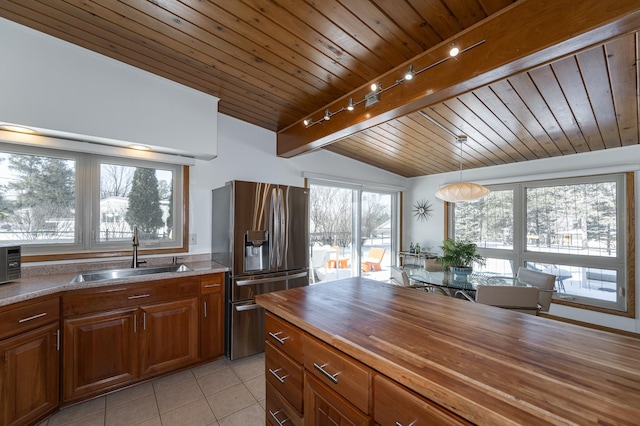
(256, 250)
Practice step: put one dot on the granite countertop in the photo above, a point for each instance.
(39, 281)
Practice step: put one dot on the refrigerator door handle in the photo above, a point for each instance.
(251, 307)
(241, 283)
(298, 275)
(282, 218)
(273, 228)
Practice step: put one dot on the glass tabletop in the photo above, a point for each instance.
(447, 279)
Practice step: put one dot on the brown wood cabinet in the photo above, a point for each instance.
(29, 361)
(325, 407)
(312, 383)
(156, 331)
(169, 336)
(212, 316)
(308, 382)
(100, 352)
(395, 405)
(111, 336)
(284, 372)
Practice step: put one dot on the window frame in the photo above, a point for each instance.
(357, 191)
(87, 208)
(623, 262)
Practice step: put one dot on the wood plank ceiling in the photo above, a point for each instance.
(272, 63)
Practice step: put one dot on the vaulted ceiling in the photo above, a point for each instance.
(274, 63)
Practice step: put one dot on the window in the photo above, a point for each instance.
(573, 228)
(352, 231)
(58, 203)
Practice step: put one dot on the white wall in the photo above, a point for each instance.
(247, 152)
(431, 233)
(50, 84)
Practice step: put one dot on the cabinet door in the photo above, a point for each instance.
(211, 326)
(396, 405)
(29, 375)
(169, 336)
(100, 352)
(325, 407)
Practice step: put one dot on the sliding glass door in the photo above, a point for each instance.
(353, 232)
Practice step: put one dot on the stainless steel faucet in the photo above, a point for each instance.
(134, 261)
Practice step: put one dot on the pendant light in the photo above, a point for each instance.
(462, 191)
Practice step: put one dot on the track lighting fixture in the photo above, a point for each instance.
(373, 96)
(409, 74)
(454, 50)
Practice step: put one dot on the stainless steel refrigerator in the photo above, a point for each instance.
(260, 231)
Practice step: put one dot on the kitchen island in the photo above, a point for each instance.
(470, 362)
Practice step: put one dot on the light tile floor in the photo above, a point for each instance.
(221, 393)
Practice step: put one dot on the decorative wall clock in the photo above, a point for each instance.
(422, 210)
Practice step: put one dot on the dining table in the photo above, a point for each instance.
(449, 284)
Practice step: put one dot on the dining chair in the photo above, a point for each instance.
(399, 277)
(517, 298)
(319, 258)
(543, 281)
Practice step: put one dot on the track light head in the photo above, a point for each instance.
(376, 87)
(327, 115)
(307, 122)
(350, 106)
(454, 50)
(409, 74)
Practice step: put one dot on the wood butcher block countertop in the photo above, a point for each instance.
(488, 365)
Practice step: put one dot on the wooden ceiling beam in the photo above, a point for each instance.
(526, 35)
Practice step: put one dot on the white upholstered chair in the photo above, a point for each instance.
(543, 281)
(320, 255)
(517, 298)
(399, 277)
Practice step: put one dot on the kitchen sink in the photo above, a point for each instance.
(112, 274)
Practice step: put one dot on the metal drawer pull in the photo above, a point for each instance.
(211, 285)
(32, 318)
(205, 309)
(410, 424)
(275, 336)
(275, 374)
(274, 415)
(331, 377)
(139, 296)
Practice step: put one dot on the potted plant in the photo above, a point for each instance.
(459, 256)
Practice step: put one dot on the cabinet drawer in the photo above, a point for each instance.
(284, 336)
(393, 404)
(28, 316)
(285, 375)
(120, 296)
(338, 371)
(279, 411)
(212, 283)
(325, 407)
